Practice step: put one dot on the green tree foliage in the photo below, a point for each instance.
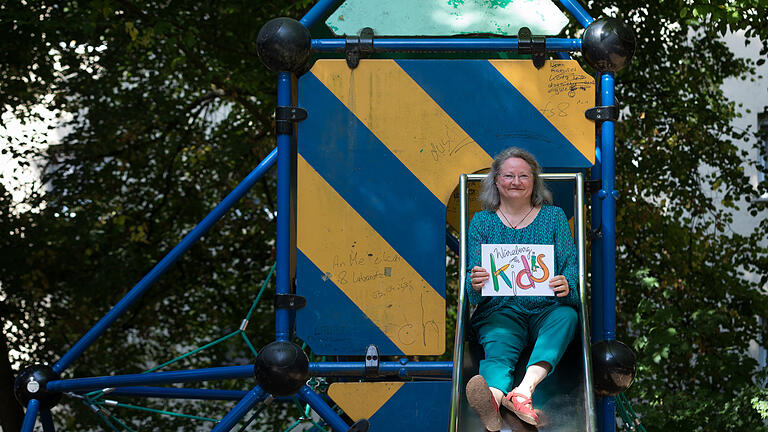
(685, 302)
(168, 108)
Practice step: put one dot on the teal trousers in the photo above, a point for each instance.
(506, 332)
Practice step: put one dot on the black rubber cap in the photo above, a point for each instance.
(281, 368)
(614, 366)
(608, 44)
(285, 45)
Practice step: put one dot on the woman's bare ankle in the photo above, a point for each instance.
(523, 390)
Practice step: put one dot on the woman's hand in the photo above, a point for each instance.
(559, 285)
(479, 276)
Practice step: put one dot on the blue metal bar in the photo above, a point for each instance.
(179, 393)
(436, 369)
(47, 421)
(240, 410)
(284, 219)
(607, 413)
(322, 409)
(581, 14)
(597, 286)
(562, 55)
(317, 12)
(192, 375)
(145, 283)
(609, 195)
(447, 44)
(30, 417)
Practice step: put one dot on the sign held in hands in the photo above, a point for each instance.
(518, 269)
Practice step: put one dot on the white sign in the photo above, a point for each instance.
(518, 269)
(445, 18)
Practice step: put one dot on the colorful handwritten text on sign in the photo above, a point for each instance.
(518, 269)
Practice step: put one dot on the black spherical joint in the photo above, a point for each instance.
(285, 45)
(608, 44)
(30, 384)
(614, 366)
(281, 368)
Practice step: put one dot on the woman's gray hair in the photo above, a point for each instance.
(489, 194)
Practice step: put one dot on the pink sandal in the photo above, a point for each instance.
(523, 409)
(482, 401)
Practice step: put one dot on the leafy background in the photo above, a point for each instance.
(164, 107)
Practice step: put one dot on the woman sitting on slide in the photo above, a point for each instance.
(517, 209)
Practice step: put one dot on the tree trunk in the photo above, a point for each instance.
(11, 414)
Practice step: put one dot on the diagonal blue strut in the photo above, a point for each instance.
(145, 283)
(578, 11)
(240, 410)
(317, 12)
(322, 409)
(30, 417)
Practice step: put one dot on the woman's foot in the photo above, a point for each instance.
(482, 401)
(521, 404)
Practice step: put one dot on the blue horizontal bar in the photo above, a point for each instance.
(192, 375)
(447, 44)
(433, 369)
(137, 291)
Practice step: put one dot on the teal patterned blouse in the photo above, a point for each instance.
(549, 227)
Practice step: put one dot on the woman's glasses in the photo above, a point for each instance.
(523, 177)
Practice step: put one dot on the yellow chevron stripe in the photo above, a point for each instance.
(366, 268)
(560, 90)
(407, 120)
(362, 400)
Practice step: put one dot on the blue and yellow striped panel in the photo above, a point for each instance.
(379, 157)
(396, 406)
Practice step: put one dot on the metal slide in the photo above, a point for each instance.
(565, 397)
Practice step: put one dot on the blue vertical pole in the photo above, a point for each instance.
(284, 154)
(30, 417)
(597, 248)
(323, 410)
(608, 211)
(607, 412)
(240, 410)
(598, 288)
